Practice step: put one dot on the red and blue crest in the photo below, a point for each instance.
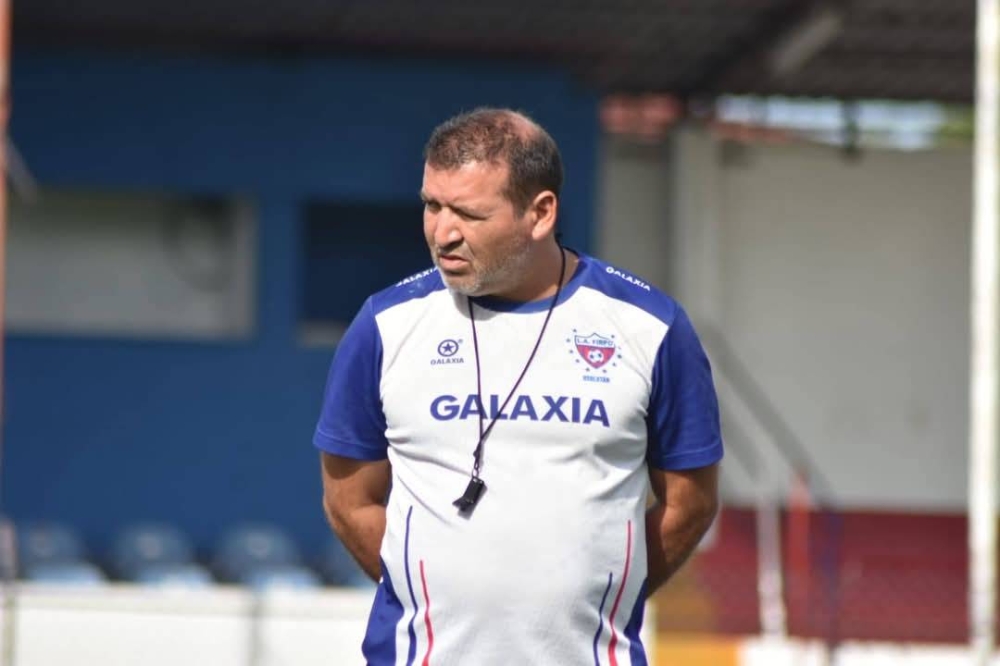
(595, 349)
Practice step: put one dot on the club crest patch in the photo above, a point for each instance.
(595, 349)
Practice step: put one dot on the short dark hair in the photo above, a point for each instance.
(498, 136)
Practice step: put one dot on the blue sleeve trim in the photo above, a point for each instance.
(691, 460)
(682, 421)
(324, 442)
(351, 421)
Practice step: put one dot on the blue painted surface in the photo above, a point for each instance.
(100, 432)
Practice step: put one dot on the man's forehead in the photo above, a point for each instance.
(470, 180)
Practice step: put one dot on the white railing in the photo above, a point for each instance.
(126, 625)
(123, 625)
(770, 572)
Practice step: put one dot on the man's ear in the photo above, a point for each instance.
(544, 209)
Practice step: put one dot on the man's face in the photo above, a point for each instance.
(478, 243)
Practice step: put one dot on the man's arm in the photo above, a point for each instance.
(354, 493)
(687, 501)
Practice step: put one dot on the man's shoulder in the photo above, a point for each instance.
(627, 287)
(418, 285)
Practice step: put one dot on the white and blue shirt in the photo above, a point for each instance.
(550, 568)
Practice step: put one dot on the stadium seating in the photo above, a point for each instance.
(82, 574)
(173, 575)
(48, 543)
(54, 553)
(157, 554)
(261, 556)
(281, 576)
(339, 568)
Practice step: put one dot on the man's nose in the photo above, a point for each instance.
(447, 232)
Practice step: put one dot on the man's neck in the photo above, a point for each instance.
(544, 278)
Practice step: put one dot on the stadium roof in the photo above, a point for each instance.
(849, 49)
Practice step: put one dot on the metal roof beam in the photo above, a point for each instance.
(786, 38)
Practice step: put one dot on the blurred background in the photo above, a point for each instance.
(201, 195)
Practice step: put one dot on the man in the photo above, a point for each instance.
(519, 399)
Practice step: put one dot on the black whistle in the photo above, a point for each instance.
(470, 498)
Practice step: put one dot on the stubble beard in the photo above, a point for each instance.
(494, 276)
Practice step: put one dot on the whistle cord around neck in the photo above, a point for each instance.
(465, 503)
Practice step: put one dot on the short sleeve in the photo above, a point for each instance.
(683, 418)
(351, 423)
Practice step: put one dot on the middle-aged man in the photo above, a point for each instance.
(520, 400)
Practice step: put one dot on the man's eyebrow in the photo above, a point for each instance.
(469, 210)
(462, 210)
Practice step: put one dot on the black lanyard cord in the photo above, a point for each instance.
(476, 486)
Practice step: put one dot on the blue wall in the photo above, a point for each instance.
(100, 432)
